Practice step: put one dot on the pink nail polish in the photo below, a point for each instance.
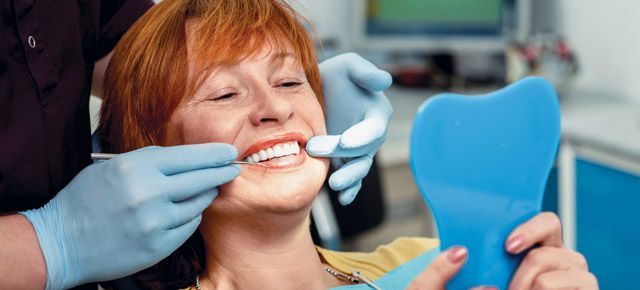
(513, 245)
(457, 254)
(484, 288)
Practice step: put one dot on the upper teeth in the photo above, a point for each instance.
(278, 150)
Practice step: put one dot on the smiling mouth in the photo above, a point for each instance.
(276, 151)
(280, 151)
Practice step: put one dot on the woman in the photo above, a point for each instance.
(244, 72)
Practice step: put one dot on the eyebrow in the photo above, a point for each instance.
(282, 55)
(279, 58)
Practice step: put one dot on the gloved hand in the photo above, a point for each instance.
(122, 215)
(358, 114)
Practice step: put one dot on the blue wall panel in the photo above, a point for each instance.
(608, 221)
(608, 224)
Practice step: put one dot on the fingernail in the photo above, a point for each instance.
(457, 254)
(514, 244)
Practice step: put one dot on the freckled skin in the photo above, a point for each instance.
(262, 96)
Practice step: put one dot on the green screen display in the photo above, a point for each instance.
(486, 12)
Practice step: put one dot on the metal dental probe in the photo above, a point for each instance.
(107, 156)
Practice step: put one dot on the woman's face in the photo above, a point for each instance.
(264, 107)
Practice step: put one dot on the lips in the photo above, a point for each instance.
(275, 146)
(278, 150)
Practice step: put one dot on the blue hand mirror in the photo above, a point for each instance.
(481, 163)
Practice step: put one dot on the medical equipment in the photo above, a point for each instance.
(107, 156)
(435, 26)
(482, 163)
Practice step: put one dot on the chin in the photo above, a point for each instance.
(282, 191)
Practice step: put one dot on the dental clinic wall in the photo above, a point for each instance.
(331, 20)
(606, 37)
(605, 34)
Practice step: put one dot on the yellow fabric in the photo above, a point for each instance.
(383, 259)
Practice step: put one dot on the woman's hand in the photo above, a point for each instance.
(551, 265)
(441, 270)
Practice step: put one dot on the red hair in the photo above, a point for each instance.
(149, 77)
(149, 74)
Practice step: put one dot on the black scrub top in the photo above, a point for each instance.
(47, 53)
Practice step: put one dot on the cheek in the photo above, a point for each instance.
(208, 126)
(312, 113)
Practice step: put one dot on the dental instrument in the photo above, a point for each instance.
(107, 156)
(481, 163)
(127, 210)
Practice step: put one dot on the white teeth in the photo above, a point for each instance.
(270, 153)
(291, 148)
(296, 148)
(278, 150)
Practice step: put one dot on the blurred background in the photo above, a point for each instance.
(588, 49)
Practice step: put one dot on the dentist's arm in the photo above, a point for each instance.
(21, 262)
(122, 215)
(358, 114)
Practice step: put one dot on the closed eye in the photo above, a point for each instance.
(224, 97)
(290, 84)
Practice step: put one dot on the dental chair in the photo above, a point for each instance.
(333, 222)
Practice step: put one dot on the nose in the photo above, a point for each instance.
(271, 107)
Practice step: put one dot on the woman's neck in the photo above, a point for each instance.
(269, 252)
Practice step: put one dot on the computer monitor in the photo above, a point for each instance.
(439, 25)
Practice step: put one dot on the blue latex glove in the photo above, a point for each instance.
(122, 215)
(357, 117)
